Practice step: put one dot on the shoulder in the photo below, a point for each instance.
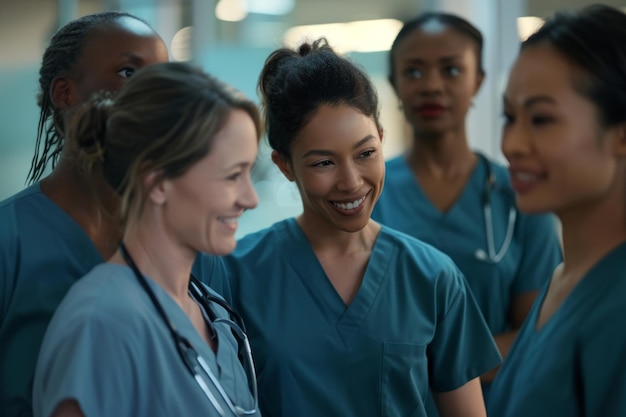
(107, 294)
(15, 206)
(396, 165)
(418, 254)
(264, 240)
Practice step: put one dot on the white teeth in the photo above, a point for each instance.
(524, 176)
(350, 206)
(228, 220)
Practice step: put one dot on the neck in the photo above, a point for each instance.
(590, 234)
(87, 200)
(325, 238)
(447, 153)
(159, 256)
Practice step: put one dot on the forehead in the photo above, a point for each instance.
(434, 39)
(122, 33)
(335, 126)
(542, 70)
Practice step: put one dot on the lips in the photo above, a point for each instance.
(430, 110)
(522, 181)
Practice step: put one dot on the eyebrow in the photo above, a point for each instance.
(532, 101)
(448, 58)
(323, 152)
(242, 165)
(136, 59)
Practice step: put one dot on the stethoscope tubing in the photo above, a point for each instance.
(492, 255)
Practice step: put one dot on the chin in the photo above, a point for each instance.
(529, 206)
(222, 249)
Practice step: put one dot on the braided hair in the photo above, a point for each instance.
(60, 57)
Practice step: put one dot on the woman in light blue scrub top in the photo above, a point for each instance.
(57, 229)
(565, 139)
(139, 335)
(347, 317)
(445, 194)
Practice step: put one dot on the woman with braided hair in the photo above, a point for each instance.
(56, 230)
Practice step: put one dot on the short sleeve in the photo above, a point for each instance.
(211, 270)
(90, 361)
(541, 253)
(462, 347)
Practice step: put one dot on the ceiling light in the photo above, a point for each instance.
(356, 36)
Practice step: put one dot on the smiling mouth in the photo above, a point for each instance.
(351, 205)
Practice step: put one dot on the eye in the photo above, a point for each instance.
(413, 73)
(126, 72)
(452, 71)
(323, 163)
(541, 120)
(234, 177)
(367, 153)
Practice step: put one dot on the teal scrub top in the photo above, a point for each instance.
(412, 326)
(109, 349)
(43, 252)
(530, 260)
(575, 364)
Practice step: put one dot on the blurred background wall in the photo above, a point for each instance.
(232, 38)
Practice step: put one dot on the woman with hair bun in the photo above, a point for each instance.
(348, 317)
(139, 335)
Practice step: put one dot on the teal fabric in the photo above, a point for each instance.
(107, 348)
(529, 262)
(575, 364)
(42, 253)
(412, 326)
(534, 252)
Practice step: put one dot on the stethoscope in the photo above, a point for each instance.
(190, 357)
(493, 256)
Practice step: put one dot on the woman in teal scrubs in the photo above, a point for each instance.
(565, 139)
(56, 230)
(347, 317)
(456, 199)
(137, 335)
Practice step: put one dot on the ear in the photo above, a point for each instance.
(619, 141)
(157, 187)
(283, 164)
(61, 93)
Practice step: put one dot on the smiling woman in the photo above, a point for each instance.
(442, 192)
(565, 140)
(345, 315)
(56, 230)
(178, 146)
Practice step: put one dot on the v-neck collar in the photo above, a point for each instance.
(348, 318)
(471, 189)
(599, 276)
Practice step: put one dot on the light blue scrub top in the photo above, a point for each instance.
(108, 348)
(43, 252)
(412, 326)
(575, 364)
(530, 260)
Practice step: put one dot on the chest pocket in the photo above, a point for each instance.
(404, 380)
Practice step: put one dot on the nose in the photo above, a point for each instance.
(432, 82)
(515, 141)
(350, 178)
(248, 198)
